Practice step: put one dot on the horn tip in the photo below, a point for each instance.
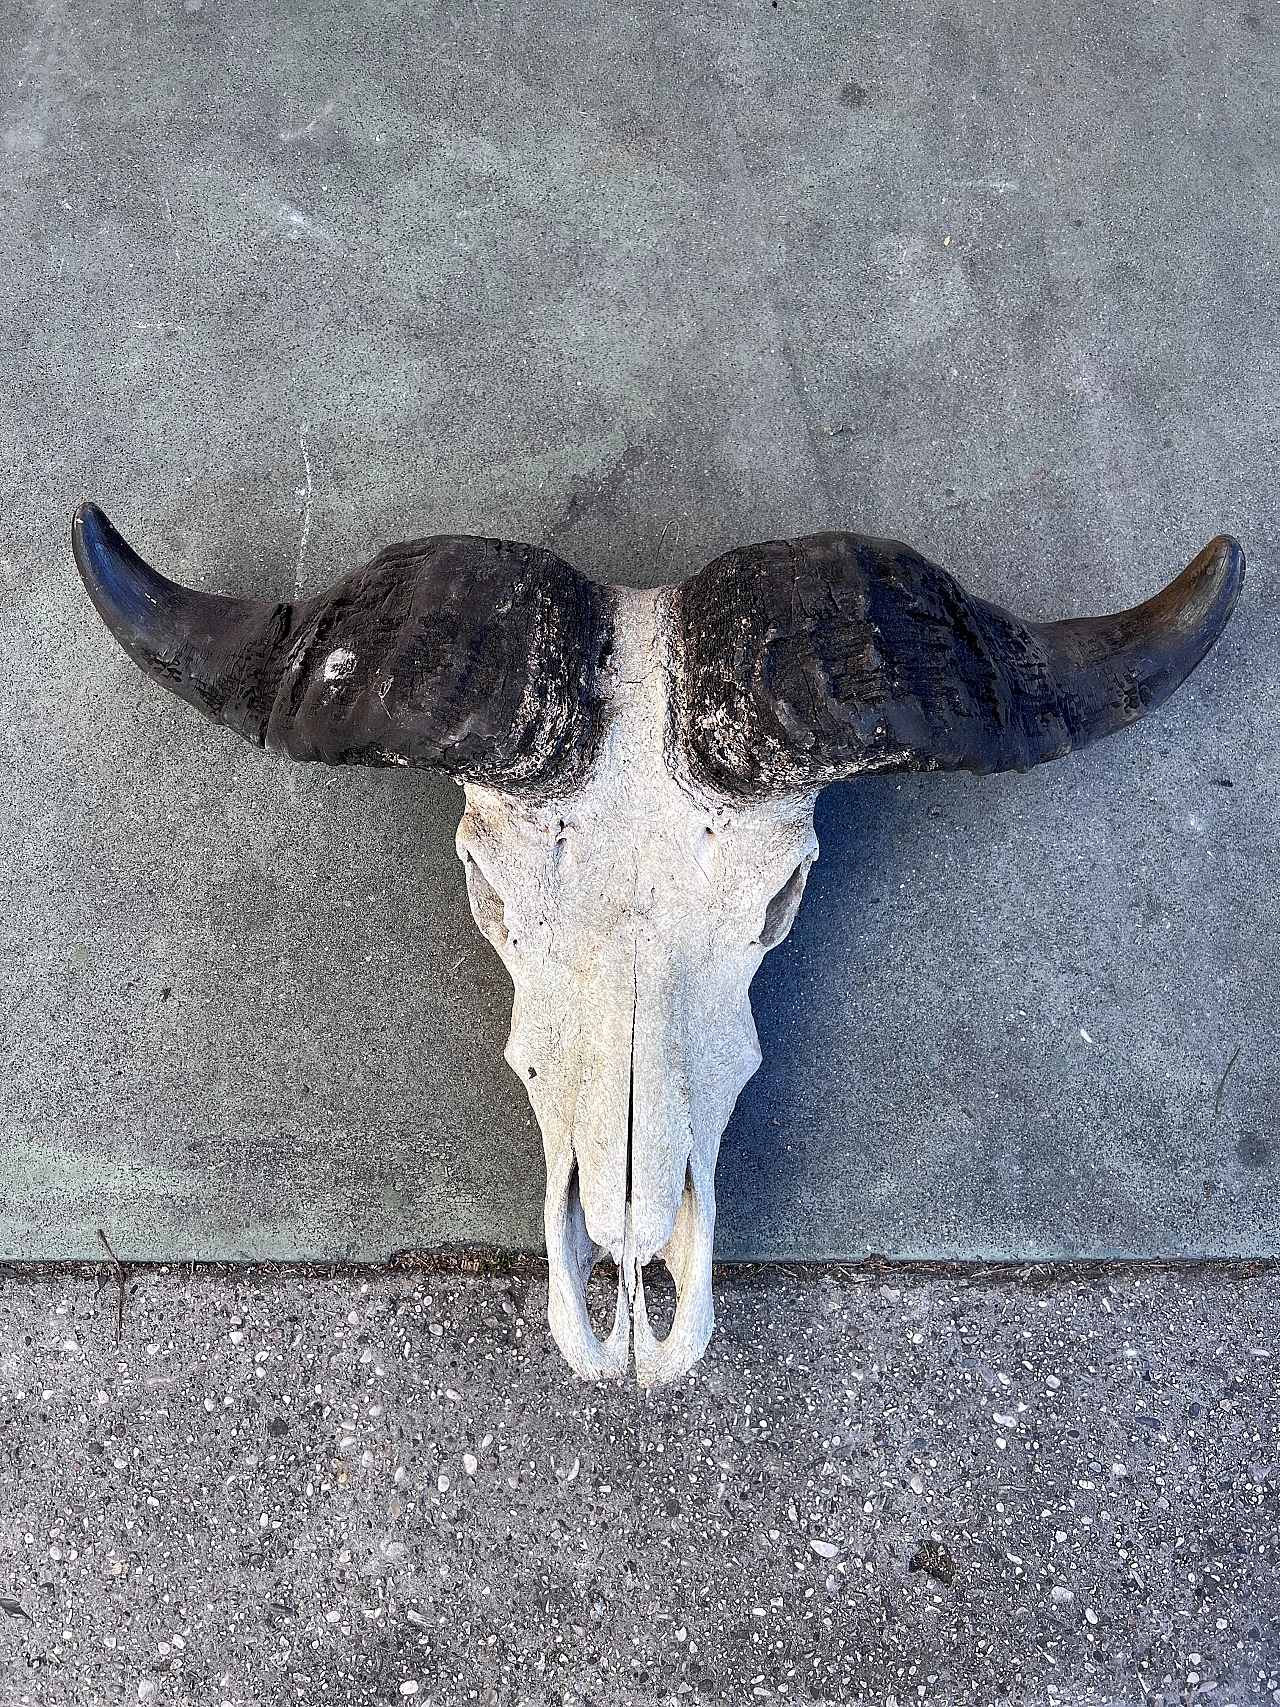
(94, 541)
(1226, 554)
(1219, 571)
(124, 588)
(87, 517)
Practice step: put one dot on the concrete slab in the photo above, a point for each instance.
(284, 285)
(902, 1488)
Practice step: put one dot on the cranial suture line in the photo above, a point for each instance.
(640, 771)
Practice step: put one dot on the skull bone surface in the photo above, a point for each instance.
(640, 772)
(632, 915)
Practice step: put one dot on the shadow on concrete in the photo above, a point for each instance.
(858, 825)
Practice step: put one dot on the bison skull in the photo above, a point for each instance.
(640, 772)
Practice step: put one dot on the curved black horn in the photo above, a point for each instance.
(224, 656)
(471, 656)
(804, 661)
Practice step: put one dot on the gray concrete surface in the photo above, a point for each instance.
(325, 1491)
(285, 283)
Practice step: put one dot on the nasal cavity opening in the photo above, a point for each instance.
(661, 1290)
(660, 1297)
(602, 1297)
(486, 904)
(780, 914)
(599, 1275)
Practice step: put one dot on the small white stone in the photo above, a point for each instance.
(442, 1482)
(1061, 1596)
(409, 1687)
(916, 1485)
(1091, 1617)
(825, 1549)
(469, 1464)
(147, 1690)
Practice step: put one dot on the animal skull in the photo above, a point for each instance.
(632, 915)
(640, 772)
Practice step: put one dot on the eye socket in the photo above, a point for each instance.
(486, 904)
(779, 915)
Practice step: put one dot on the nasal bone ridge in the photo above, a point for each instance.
(632, 1253)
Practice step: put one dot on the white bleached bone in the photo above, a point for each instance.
(632, 916)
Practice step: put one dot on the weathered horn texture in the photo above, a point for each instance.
(804, 661)
(475, 657)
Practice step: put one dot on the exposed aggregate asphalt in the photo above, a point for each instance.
(380, 1487)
